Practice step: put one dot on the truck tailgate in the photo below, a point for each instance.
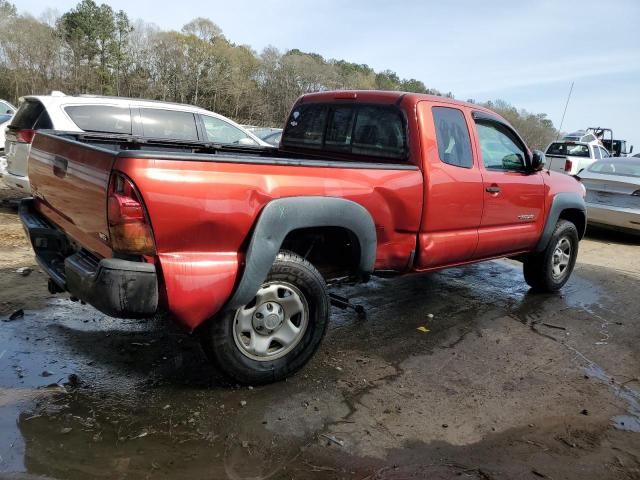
(71, 180)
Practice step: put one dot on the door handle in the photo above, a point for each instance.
(493, 189)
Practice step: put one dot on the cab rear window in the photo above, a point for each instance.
(359, 129)
(570, 149)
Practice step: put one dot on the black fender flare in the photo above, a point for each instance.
(281, 216)
(561, 202)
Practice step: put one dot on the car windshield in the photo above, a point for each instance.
(570, 149)
(623, 168)
(218, 130)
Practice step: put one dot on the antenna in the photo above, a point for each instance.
(565, 111)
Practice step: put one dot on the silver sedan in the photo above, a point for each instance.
(613, 193)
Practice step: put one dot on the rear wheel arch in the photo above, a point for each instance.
(284, 217)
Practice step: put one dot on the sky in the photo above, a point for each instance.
(525, 52)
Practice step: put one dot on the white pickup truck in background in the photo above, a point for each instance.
(569, 156)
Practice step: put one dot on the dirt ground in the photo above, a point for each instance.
(499, 384)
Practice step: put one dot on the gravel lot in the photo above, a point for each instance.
(502, 384)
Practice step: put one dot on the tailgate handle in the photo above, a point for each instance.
(60, 165)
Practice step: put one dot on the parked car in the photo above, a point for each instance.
(114, 115)
(270, 135)
(571, 156)
(239, 246)
(613, 193)
(6, 112)
(7, 107)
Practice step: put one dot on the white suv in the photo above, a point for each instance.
(117, 115)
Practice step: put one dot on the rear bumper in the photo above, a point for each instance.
(626, 219)
(116, 287)
(15, 182)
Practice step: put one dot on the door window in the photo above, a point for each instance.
(500, 150)
(219, 131)
(452, 135)
(169, 124)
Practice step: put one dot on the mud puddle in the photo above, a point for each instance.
(85, 396)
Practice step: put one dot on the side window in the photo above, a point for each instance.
(499, 149)
(101, 118)
(596, 152)
(219, 131)
(605, 154)
(452, 135)
(169, 124)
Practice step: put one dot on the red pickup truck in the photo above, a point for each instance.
(238, 243)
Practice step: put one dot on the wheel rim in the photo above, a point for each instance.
(561, 258)
(273, 323)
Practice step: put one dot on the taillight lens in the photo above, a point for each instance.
(129, 226)
(25, 135)
(568, 165)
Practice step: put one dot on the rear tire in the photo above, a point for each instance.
(275, 334)
(550, 269)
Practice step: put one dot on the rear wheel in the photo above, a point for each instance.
(276, 333)
(549, 270)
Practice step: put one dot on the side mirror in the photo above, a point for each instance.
(246, 141)
(537, 160)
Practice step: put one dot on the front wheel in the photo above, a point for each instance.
(276, 333)
(549, 270)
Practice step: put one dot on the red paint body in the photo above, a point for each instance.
(202, 212)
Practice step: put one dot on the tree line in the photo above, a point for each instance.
(94, 49)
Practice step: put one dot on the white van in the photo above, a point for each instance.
(128, 116)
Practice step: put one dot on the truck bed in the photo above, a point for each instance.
(203, 200)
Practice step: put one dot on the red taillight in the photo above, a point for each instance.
(568, 165)
(128, 224)
(25, 135)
